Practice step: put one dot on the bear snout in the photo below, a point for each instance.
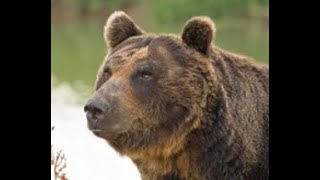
(102, 118)
(95, 112)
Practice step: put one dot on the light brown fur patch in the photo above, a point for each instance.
(158, 158)
(139, 54)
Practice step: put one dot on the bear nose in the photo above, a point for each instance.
(95, 110)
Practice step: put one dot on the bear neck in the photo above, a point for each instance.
(215, 144)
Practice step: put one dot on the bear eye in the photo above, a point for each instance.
(146, 75)
(107, 71)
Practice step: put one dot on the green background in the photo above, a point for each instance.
(78, 48)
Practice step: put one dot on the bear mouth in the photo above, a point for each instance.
(102, 132)
(93, 127)
(97, 132)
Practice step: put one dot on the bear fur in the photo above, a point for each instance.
(180, 107)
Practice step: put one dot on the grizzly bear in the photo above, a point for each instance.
(181, 107)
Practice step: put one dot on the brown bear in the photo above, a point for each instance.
(180, 107)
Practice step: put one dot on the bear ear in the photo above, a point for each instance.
(198, 33)
(118, 28)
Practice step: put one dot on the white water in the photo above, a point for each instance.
(88, 157)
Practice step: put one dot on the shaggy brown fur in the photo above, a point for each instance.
(182, 108)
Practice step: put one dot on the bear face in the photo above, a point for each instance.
(151, 88)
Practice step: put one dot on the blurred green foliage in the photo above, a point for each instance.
(169, 11)
(78, 48)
